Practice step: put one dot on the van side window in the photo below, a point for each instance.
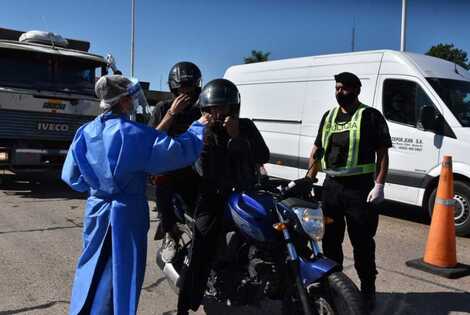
(402, 101)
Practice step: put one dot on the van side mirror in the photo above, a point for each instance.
(429, 119)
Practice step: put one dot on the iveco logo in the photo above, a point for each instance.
(53, 127)
(51, 105)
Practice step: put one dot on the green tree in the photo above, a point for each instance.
(450, 53)
(257, 56)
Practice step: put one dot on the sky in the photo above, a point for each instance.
(216, 34)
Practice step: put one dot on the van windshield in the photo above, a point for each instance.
(456, 95)
(39, 71)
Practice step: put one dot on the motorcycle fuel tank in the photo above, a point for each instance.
(251, 213)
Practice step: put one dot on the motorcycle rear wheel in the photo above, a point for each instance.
(340, 297)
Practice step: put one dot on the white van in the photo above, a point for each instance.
(425, 100)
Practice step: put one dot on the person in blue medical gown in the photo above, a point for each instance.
(110, 158)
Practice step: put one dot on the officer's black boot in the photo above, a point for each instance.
(368, 294)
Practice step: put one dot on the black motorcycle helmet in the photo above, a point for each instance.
(220, 92)
(184, 74)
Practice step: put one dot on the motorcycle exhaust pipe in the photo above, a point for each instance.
(171, 274)
(168, 270)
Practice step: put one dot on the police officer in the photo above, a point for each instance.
(352, 149)
(184, 81)
(233, 148)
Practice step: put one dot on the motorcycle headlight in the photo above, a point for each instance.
(312, 222)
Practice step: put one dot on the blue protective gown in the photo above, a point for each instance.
(109, 158)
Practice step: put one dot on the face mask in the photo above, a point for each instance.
(345, 100)
(218, 127)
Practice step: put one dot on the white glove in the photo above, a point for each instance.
(376, 195)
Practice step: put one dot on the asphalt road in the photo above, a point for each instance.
(40, 240)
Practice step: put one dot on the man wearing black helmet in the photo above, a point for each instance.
(184, 81)
(353, 140)
(233, 149)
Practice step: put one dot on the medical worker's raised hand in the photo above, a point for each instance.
(206, 119)
(180, 103)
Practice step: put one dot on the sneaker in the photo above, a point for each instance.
(169, 247)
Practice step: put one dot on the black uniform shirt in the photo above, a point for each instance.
(374, 135)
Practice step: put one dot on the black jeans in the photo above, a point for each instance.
(185, 183)
(344, 200)
(209, 218)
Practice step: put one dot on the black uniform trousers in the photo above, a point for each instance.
(208, 226)
(344, 200)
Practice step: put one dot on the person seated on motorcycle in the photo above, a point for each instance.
(233, 149)
(184, 81)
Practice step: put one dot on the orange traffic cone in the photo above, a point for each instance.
(440, 248)
(440, 256)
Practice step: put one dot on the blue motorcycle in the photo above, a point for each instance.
(269, 249)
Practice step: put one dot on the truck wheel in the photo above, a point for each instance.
(462, 207)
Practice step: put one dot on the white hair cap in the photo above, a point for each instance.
(110, 88)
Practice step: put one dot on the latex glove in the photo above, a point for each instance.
(376, 195)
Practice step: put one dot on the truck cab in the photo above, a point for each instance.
(46, 92)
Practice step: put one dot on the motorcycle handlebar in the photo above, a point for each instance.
(299, 186)
(294, 188)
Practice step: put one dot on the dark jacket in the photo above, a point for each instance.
(181, 123)
(227, 163)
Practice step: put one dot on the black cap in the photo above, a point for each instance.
(348, 78)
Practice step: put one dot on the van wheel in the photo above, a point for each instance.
(462, 207)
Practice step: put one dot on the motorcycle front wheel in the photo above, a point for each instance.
(338, 296)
